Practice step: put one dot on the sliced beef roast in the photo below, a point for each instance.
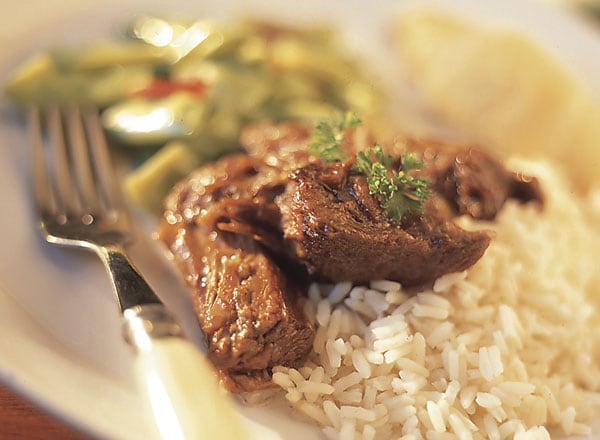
(341, 233)
(470, 180)
(216, 223)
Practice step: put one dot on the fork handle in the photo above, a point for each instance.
(130, 288)
(179, 384)
(180, 387)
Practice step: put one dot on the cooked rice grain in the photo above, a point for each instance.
(509, 349)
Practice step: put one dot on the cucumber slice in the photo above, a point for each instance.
(148, 184)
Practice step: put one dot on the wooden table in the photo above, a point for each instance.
(21, 421)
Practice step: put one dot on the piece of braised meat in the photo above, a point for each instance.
(337, 228)
(216, 223)
(341, 233)
(471, 180)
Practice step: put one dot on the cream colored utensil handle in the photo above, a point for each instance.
(177, 380)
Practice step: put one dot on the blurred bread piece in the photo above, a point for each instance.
(501, 90)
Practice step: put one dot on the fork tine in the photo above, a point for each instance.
(45, 198)
(105, 177)
(66, 198)
(78, 146)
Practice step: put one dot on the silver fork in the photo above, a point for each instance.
(79, 203)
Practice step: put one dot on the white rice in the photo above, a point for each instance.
(509, 349)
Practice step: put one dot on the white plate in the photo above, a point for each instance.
(61, 344)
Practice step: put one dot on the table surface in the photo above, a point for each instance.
(21, 421)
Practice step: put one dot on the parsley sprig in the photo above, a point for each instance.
(327, 137)
(399, 192)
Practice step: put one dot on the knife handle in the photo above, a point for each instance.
(179, 385)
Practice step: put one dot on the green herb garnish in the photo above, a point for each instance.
(399, 193)
(327, 136)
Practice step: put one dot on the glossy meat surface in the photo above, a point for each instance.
(215, 224)
(341, 233)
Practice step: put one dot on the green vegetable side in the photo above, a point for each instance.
(176, 94)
